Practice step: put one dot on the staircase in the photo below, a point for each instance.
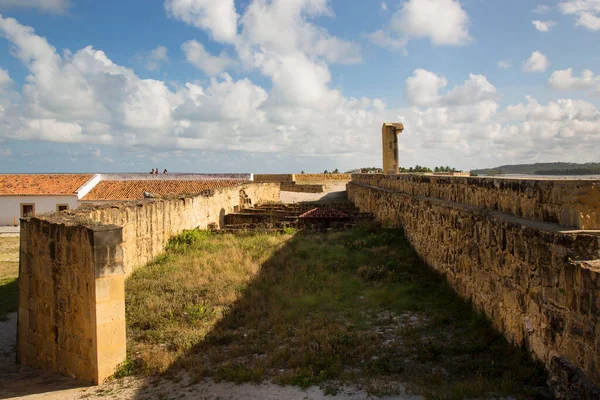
(275, 217)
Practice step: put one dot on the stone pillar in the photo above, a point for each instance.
(389, 135)
(71, 316)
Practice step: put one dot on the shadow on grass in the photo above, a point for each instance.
(355, 307)
(9, 297)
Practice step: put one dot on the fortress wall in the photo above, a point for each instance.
(73, 265)
(570, 203)
(293, 187)
(300, 178)
(537, 283)
(321, 177)
(149, 224)
(274, 178)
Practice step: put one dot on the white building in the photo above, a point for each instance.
(24, 194)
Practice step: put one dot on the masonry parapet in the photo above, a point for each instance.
(536, 281)
(570, 203)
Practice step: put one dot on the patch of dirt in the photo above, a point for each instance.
(27, 383)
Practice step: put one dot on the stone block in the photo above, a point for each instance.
(111, 335)
(109, 312)
(106, 235)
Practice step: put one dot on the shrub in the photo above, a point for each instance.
(186, 239)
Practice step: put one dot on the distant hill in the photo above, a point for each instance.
(557, 168)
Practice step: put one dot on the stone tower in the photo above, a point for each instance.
(389, 135)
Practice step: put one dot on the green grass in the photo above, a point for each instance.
(356, 306)
(9, 272)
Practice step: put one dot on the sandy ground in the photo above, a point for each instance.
(334, 192)
(9, 230)
(18, 382)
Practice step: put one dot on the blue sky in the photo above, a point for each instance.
(290, 85)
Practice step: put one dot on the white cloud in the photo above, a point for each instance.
(5, 152)
(223, 99)
(218, 18)
(423, 89)
(85, 97)
(505, 64)
(542, 9)
(4, 78)
(278, 40)
(384, 39)
(155, 58)
(563, 80)
(477, 89)
(384, 6)
(52, 6)
(444, 22)
(282, 27)
(564, 129)
(543, 26)
(536, 63)
(586, 12)
(196, 54)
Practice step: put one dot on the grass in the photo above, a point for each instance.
(349, 307)
(9, 272)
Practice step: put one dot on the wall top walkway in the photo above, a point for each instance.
(570, 203)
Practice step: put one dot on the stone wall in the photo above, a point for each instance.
(274, 178)
(71, 317)
(321, 177)
(148, 224)
(537, 282)
(293, 187)
(299, 178)
(570, 203)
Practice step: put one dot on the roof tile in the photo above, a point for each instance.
(41, 184)
(134, 189)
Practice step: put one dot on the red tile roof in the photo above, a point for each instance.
(41, 184)
(134, 189)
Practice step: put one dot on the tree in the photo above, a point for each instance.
(336, 171)
(326, 172)
(302, 172)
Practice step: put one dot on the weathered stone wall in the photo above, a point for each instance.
(71, 317)
(149, 224)
(570, 203)
(274, 178)
(293, 187)
(538, 284)
(289, 178)
(321, 177)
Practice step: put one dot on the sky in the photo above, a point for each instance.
(295, 85)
